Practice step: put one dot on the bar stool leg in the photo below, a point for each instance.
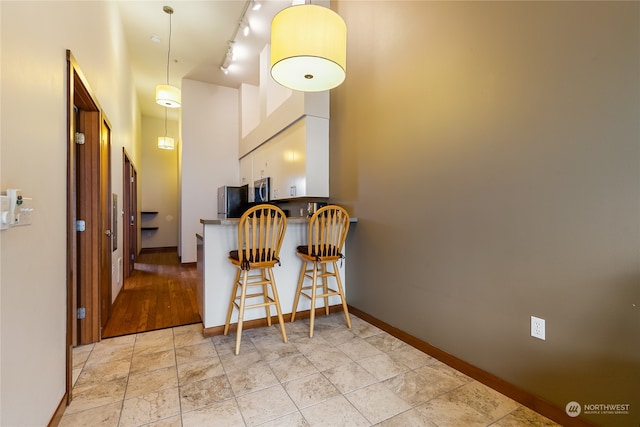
(265, 292)
(344, 300)
(272, 282)
(325, 288)
(233, 299)
(243, 293)
(298, 290)
(312, 316)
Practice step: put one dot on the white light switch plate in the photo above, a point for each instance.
(5, 202)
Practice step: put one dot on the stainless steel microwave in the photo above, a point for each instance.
(262, 190)
(232, 201)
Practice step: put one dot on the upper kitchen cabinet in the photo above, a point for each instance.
(246, 170)
(301, 168)
(296, 160)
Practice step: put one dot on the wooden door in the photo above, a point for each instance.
(89, 196)
(107, 234)
(88, 236)
(130, 207)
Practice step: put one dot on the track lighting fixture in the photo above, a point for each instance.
(244, 27)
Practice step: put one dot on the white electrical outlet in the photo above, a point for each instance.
(537, 328)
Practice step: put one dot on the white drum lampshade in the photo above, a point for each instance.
(308, 48)
(168, 96)
(166, 143)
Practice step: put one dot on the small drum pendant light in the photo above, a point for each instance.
(167, 95)
(166, 143)
(308, 48)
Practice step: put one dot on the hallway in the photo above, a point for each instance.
(160, 293)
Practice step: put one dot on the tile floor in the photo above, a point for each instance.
(340, 377)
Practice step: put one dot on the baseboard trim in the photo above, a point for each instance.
(159, 249)
(259, 323)
(516, 393)
(57, 415)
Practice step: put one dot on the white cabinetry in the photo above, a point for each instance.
(246, 173)
(291, 165)
(294, 166)
(262, 162)
(296, 160)
(316, 145)
(246, 170)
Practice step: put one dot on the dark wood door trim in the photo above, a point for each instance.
(79, 98)
(130, 220)
(106, 223)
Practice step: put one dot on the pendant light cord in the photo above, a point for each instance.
(168, 62)
(169, 11)
(165, 122)
(169, 50)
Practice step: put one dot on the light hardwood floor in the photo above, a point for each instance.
(160, 293)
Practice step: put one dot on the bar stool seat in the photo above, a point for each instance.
(327, 232)
(260, 234)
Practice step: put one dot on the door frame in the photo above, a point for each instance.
(130, 217)
(84, 249)
(105, 226)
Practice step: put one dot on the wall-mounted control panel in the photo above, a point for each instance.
(15, 209)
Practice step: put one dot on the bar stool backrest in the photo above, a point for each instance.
(328, 228)
(260, 233)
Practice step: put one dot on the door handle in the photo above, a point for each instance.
(263, 196)
(108, 233)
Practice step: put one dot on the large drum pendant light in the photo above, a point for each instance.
(167, 95)
(308, 48)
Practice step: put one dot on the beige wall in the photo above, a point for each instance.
(491, 152)
(33, 149)
(159, 184)
(209, 155)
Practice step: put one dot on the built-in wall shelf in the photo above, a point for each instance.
(148, 218)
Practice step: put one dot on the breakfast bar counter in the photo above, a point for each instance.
(219, 236)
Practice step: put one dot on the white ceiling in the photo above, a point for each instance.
(201, 31)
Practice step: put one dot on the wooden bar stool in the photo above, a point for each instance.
(260, 233)
(328, 229)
